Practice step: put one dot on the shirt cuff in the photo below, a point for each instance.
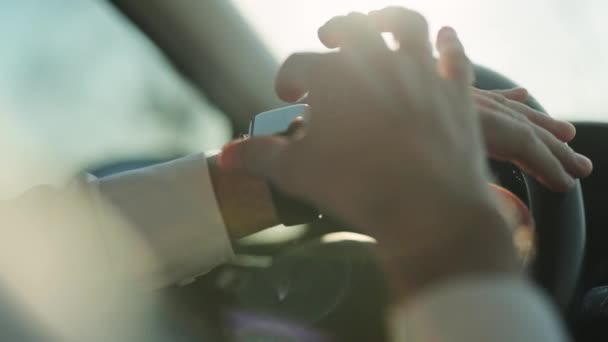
(173, 209)
(497, 309)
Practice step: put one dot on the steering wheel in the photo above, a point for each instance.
(559, 220)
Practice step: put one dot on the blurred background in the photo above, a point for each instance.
(81, 86)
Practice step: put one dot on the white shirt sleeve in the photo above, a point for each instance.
(76, 259)
(173, 209)
(174, 232)
(497, 309)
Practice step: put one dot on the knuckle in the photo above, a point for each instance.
(541, 119)
(505, 110)
(499, 98)
(486, 101)
(407, 21)
(527, 140)
(520, 117)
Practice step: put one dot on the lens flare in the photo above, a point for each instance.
(519, 218)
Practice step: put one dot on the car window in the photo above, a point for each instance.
(555, 48)
(81, 84)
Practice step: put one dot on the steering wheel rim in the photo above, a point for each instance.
(559, 220)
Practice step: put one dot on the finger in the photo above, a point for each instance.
(510, 140)
(453, 63)
(364, 59)
(516, 94)
(294, 77)
(328, 33)
(562, 130)
(575, 164)
(409, 28)
(354, 31)
(296, 127)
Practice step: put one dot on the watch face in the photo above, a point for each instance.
(276, 121)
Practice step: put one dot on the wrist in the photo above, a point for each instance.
(244, 200)
(478, 242)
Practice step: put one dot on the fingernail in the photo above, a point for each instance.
(448, 31)
(585, 163)
(571, 128)
(563, 130)
(447, 34)
(226, 159)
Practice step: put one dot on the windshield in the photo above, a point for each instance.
(81, 87)
(557, 49)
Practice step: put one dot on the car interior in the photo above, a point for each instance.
(319, 281)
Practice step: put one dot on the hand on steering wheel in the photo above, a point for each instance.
(390, 110)
(408, 147)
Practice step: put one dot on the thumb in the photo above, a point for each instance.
(453, 62)
(256, 155)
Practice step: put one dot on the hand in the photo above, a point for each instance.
(512, 131)
(393, 146)
(530, 139)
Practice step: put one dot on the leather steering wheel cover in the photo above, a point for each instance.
(559, 219)
(560, 239)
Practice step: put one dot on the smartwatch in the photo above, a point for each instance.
(290, 211)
